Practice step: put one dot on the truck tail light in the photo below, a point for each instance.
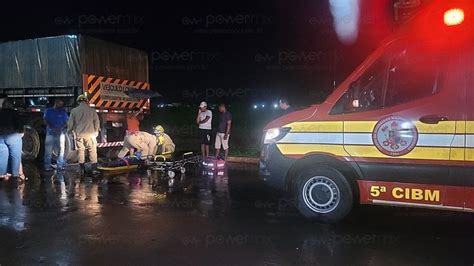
(453, 17)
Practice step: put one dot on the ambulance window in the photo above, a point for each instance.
(365, 93)
(413, 74)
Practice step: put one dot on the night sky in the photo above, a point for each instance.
(219, 51)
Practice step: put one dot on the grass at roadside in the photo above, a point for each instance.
(179, 123)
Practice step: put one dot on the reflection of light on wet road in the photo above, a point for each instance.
(12, 212)
(208, 220)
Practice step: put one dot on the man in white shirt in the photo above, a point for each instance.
(204, 120)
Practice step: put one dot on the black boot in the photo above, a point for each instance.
(82, 169)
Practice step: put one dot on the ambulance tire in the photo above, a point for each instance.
(323, 194)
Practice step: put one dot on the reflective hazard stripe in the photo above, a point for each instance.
(424, 140)
(447, 140)
(110, 144)
(93, 89)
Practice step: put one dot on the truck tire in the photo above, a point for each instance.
(323, 194)
(31, 144)
(70, 155)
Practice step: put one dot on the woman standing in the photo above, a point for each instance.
(11, 131)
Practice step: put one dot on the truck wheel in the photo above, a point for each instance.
(323, 194)
(70, 155)
(31, 144)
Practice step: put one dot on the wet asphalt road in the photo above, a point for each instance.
(232, 219)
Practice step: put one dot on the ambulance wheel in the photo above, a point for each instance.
(323, 194)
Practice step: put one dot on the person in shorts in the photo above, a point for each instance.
(223, 131)
(204, 120)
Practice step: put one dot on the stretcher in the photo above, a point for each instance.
(121, 165)
(167, 163)
(170, 165)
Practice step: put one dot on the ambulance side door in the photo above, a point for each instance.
(467, 64)
(400, 125)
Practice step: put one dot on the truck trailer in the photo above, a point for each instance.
(34, 72)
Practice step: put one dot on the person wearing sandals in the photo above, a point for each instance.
(3, 149)
(11, 130)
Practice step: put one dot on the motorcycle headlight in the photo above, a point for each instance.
(272, 135)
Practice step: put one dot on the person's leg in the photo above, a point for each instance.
(14, 143)
(203, 150)
(202, 141)
(3, 157)
(81, 151)
(152, 148)
(208, 141)
(225, 146)
(48, 150)
(92, 150)
(61, 142)
(218, 144)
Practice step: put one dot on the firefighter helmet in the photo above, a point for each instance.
(82, 98)
(158, 129)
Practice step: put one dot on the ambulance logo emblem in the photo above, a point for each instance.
(395, 136)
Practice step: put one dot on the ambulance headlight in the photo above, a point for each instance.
(272, 135)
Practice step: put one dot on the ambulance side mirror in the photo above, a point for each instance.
(355, 103)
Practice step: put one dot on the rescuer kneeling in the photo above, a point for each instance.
(141, 143)
(165, 144)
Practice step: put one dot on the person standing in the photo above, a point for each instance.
(223, 131)
(285, 106)
(11, 130)
(3, 147)
(84, 123)
(133, 120)
(204, 120)
(55, 119)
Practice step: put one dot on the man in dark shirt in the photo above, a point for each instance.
(285, 106)
(56, 121)
(223, 131)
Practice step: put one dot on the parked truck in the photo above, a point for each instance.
(34, 72)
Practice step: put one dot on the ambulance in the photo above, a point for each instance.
(398, 131)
